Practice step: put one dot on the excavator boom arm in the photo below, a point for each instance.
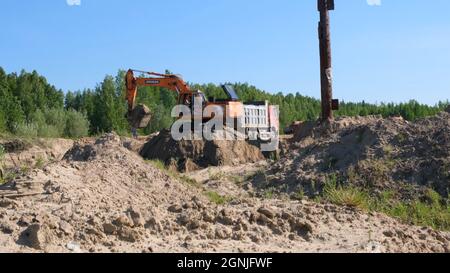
(171, 82)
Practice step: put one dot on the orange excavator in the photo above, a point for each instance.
(139, 116)
(259, 119)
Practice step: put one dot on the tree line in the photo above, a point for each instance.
(30, 106)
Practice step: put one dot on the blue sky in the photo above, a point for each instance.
(397, 51)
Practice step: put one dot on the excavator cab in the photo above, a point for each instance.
(194, 98)
(231, 93)
(199, 98)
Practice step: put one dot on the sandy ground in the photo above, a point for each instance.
(103, 197)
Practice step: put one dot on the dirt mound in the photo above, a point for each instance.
(22, 154)
(190, 155)
(103, 197)
(88, 152)
(372, 152)
(77, 202)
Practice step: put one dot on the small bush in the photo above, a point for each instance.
(2, 152)
(54, 123)
(57, 118)
(40, 162)
(49, 131)
(299, 195)
(346, 196)
(44, 127)
(77, 125)
(26, 130)
(433, 198)
(269, 193)
(388, 150)
(3, 124)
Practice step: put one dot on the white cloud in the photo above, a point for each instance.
(73, 2)
(374, 2)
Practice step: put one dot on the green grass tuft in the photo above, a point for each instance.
(299, 195)
(346, 195)
(217, 198)
(269, 193)
(157, 164)
(434, 212)
(40, 162)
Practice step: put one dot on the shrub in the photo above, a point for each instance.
(2, 152)
(26, 130)
(3, 125)
(54, 123)
(49, 131)
(77, 125)
(40, 162)
(269, 193)
(38, 118)
(346, 196)
(299, 195)
(57, 118)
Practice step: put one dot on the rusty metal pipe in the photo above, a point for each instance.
(326, 75)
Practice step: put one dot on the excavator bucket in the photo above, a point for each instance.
(139, 117)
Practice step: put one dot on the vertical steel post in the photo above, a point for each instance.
(326, 75)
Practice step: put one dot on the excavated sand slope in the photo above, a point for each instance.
(104, 198)
(21, 153)
(375, 153)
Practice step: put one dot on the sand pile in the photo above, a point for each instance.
(191, 155)
(22, 153)
(102, 197)
(87, 196)
(378, 154)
